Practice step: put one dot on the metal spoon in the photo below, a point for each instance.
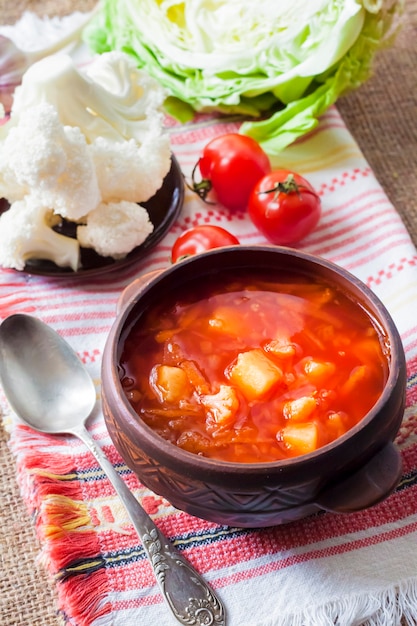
(49, 388)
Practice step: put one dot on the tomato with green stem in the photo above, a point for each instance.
(284, 207)
(230, 166)
(199, 239)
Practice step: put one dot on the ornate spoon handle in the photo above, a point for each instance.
(190, 598)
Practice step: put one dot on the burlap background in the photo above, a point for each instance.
(381, 115)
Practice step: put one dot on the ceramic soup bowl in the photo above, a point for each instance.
(357, 469)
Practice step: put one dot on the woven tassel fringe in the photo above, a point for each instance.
(70, 545)
(82, 597)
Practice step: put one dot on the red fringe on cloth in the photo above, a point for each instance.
(70, 546)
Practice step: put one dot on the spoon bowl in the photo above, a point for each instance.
(43, 379)
(49, 388)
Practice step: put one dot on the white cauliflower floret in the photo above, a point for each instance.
(118, 109)
(26, 233)
(116, 228)
(42, 157)
(128, 171)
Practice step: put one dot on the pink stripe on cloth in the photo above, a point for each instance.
(323, 570)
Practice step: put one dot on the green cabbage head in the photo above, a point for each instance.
(278, 63)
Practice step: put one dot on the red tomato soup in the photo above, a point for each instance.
(252, 370)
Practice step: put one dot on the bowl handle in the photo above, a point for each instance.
(134, 288)
(366, 487)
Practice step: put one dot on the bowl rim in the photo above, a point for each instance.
(370, 302)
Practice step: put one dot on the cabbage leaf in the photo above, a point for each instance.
(280, 65)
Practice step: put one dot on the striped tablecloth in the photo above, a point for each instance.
(325, 570)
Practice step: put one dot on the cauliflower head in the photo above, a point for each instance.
(115, 228)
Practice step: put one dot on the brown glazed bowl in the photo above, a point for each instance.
(356, 471)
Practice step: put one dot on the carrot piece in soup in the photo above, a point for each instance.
(300, 438)
(195, 376)
(254, 374)
(193, 441)
(165, 335)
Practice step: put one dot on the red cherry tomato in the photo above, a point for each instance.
(284, 207)
(199, 239)
(230, 165)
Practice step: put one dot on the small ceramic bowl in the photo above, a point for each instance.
(356, 471)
